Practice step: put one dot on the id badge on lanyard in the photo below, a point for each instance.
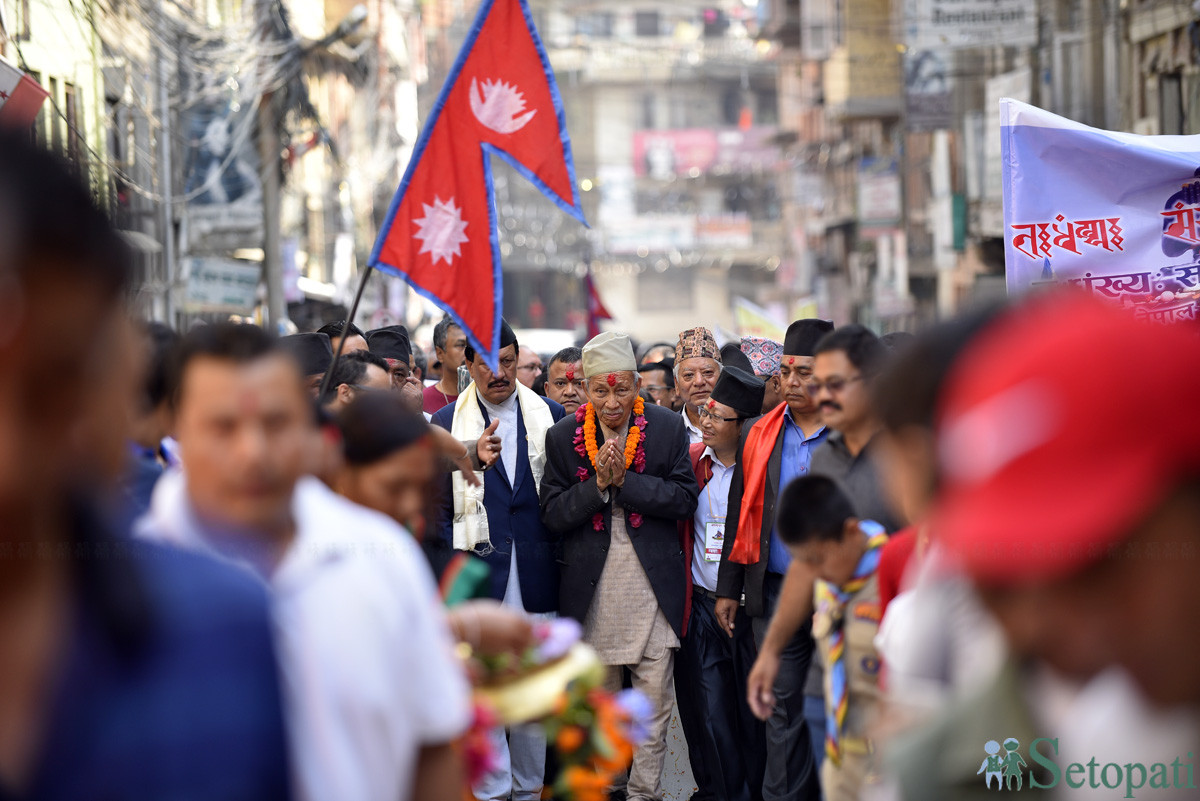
(714, 540)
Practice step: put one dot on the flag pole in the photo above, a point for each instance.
(342, 339)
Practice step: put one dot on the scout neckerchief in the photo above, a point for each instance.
(834, 599)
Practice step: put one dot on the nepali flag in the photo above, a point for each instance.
(596, 310)
(21, 97)
(440, 234)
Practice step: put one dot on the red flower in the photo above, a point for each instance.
(478, 755)
(581, 412)
(598, 521)
(580, 447)
(582, 474)
(639, 455)
(640, 422)
(635, 520)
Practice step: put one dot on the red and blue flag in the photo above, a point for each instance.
(440, 234)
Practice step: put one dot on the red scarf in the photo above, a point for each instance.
(756, 453)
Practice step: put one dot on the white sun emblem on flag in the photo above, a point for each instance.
(442, 230)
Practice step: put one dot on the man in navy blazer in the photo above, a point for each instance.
(505, 530)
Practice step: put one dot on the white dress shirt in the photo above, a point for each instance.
(369, 671)
(694, 433)
(506, 412)
(712, 507)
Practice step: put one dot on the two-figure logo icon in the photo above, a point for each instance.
(1004, 766)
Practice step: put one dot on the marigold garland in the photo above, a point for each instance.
(631, 442)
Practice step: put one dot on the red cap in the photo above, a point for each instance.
(1060, 428)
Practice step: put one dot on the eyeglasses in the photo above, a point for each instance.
(705, 414)
(834, 385)
(534, 367)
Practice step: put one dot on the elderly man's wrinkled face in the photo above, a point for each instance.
(613, 395)
(695, 379)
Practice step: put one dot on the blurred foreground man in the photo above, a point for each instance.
(1087, 554)
(775, 450)
(127, 670)
(375, 694)
(617, 484)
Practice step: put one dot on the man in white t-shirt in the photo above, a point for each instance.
(374, 693)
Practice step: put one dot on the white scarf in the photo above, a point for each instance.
(470, 516)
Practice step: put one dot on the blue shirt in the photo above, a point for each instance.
(168, 686)
(796, 456)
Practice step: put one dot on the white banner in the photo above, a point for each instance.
(954, 24)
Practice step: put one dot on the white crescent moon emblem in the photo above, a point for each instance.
(499, 106)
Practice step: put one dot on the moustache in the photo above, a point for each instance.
(831, 406)
(500, 382)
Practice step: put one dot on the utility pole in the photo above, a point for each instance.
(166, 181)
(269, 147)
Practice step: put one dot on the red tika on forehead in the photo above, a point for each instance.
(712, 404)
(791, 359)
(612, 379)
(570, 374)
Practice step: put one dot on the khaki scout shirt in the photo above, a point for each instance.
(861, 623)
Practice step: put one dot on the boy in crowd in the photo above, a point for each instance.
(818, 524)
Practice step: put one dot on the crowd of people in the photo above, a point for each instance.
(855, 565)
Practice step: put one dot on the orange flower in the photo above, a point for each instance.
(631, 441)
(570, 739)
(612, 723)
(586, 785)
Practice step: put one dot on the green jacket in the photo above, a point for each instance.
(940, 762)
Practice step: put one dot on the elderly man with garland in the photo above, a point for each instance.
(618, 479)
